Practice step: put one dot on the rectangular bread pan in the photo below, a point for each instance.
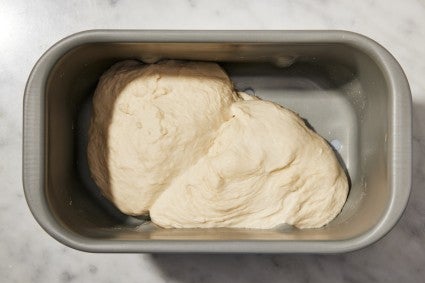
(348, 87)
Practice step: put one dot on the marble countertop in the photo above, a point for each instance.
(28, 28)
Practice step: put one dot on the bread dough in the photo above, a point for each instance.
(264, 168)
(152, 122)
(176, 140)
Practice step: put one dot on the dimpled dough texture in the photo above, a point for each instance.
(176, 140)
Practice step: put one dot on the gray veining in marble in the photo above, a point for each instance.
(28, 28)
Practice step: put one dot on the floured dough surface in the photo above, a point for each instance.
(175, 139)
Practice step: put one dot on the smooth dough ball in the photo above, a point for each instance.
(152, 122)
(264, 168)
